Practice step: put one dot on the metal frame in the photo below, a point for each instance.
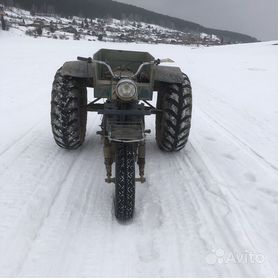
(100, 108)
(123, 127)
(123, 122)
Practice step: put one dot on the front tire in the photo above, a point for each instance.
(174, 122)
(124, 182)
(68, 111)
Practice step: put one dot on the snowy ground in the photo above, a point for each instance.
(208, 211)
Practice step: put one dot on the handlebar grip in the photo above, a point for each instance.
(157, 62)
(89, 60)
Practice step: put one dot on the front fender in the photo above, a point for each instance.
(78, 69)
(168, 74)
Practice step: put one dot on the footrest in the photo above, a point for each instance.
(110, 180)
(142, 180)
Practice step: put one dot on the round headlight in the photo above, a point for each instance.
(126, 90)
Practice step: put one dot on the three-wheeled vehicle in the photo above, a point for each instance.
(127, 80)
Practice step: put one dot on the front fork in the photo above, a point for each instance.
(109, 158)
(141, 161)
(109, 154)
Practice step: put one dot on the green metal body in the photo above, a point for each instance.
(121, 62)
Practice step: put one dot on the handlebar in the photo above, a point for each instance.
(90, 60)
(154, 62)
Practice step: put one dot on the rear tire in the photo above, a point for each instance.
(68, 111)
(124, 182)
(174, 122)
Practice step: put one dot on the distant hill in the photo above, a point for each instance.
(109, 8)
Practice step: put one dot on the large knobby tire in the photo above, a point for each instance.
(174, 122)
(68, 111)
(124, 182)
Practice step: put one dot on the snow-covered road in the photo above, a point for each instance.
(208, 211)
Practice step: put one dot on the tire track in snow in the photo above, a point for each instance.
(239, 142)
(17, 187)
(21, 146)
(177, 228)
(20, 138)
(232, 180)
(80, 231)
(99, 230)
(232, 237)
(18, 241)
(49, 215)
(9, 158)
(214, 211)
(66, 221)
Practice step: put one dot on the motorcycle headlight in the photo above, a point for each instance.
(126, 90)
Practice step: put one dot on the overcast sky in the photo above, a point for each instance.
(258, 18)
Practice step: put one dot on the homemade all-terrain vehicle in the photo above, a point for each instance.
(127, 80)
